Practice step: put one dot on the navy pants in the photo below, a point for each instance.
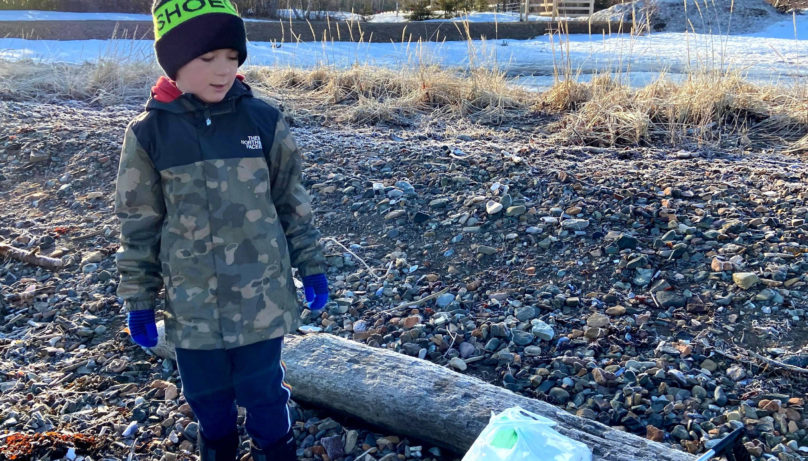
(213, 381)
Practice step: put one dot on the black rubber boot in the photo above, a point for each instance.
(283, 450)
(224, 449)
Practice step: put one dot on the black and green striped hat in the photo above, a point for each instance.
(186, 29)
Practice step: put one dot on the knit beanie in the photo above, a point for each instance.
(187, 29)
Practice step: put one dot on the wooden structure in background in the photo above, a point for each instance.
(560, 8)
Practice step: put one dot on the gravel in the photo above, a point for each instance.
(630, 286)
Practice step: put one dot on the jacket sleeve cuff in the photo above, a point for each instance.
(138, 305)
(311, 269)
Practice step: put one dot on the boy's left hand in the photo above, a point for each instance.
(316, 289)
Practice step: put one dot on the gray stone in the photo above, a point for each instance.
(638, 262)
(643, 277)
(575, 224)
(625, 241)
(745, 280)
(736, 373)
(517, 210)
(670, 298)
(720, 396)
(558, 396)
(679, 432)
(526, 313)
(542, 330)
(466, 349)
(522, 338)
(439, 202)
(445, 299)
(533, 351)
(458, 364)
(493, 207)
(351, 438)
(333, 446)
(499, 330)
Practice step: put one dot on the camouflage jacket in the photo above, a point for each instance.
(212, 207)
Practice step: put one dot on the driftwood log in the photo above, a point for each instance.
(419, 399)
(29, 257)
(422, 400)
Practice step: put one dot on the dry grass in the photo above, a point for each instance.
(104, 83)
(707, 108)
(122, 75)
(365, 94)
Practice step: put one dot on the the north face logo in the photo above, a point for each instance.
(252, 142)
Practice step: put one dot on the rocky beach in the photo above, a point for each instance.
(658, 289)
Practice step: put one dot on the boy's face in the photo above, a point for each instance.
(210, 75)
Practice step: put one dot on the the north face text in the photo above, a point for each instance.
(252, 142)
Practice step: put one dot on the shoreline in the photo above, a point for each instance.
(313, 31)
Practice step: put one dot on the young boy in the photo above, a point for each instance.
(212, 207)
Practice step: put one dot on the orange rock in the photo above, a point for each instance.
(719, 265)
(654, 433)
(772, 406)
(684, 349)
(411, 321)
(692, 446)
(185, 410)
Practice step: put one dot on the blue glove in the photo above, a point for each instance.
(316, 289)
(142, 327)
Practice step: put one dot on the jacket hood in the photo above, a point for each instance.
(166, 96)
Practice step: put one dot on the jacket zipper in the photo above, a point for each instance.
(207, 116)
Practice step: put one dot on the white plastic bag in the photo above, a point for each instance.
(518, 435)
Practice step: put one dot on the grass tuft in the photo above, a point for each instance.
(707, 107)
(364, 94)
(104, 83)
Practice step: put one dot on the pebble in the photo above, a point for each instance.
(542, 330)
(458, 364)
(493, 207)
(575, 224)
(466, 349)
(745, 280)
(445, 299)
(598, 320)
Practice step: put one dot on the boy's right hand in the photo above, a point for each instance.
(142, 327)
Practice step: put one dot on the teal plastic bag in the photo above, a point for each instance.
(519, 435)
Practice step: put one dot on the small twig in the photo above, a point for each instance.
(63, 379)
(777, 363)
(370, 269)
(30, 257)
(15, 319)
(454, 337)
(422, 300)
(416, 302)
(767, 360)
(727, 355)
(655, 300)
